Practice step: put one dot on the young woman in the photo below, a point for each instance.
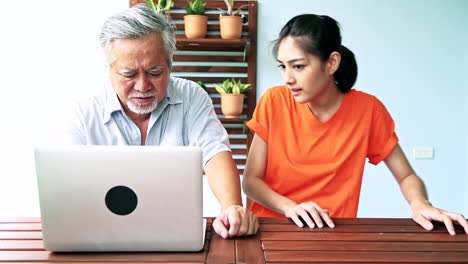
(313, 135)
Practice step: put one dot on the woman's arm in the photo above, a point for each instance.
(414, 191)
(254, 187)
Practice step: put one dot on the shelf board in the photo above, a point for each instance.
(211, 42)
(232, 120)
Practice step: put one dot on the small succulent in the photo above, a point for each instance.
(195, 7)
(163, 6)
(233, 86)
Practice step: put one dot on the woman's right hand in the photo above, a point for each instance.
(312, 214)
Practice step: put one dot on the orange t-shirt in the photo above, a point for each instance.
(321, 162)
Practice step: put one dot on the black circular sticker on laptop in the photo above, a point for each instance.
(121, 200)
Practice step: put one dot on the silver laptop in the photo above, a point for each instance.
(121, 198)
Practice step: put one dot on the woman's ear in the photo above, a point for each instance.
(333, 62)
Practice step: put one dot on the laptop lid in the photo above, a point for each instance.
(121, 198)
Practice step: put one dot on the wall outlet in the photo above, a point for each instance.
(423, 152)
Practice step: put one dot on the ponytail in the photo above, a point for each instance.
(346, 74)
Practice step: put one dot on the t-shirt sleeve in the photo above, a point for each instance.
(383, 138)
(260, 122)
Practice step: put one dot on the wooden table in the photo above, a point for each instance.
(361, 240)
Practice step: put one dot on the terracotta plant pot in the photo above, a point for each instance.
(232, 105)
(230, 27)
(195, 26)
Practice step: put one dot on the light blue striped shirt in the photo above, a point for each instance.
(184, 118)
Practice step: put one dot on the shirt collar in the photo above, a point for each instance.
(112, 103)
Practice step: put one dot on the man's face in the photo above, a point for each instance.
(139, 73)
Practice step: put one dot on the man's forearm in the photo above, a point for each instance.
(224, 179)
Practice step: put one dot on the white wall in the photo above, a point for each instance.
(50, 55)
(408, 54)
(465, 74)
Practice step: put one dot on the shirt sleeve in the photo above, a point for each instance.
(260, 122)
(383, 138)
(71, 130)
(204, 128)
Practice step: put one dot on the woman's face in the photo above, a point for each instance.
(306, 76)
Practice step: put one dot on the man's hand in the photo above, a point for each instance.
(235, 220)
(424, 212)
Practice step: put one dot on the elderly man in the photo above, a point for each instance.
(148, 107)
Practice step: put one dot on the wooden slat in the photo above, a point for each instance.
(238, 151)
(335, 236)
(209, 69)
(20, 227)
(237, 140)
(239, 162)
(221, 250)
(106, 257)
(191, 46)
(353, 221)
(20, 219)
(249, 250)
(365, 257)
(21, 245)
(235, 130)
(204, 58)
(217, 100)
(20, 235)
(212, 80)
(365, 246)
(353, 229)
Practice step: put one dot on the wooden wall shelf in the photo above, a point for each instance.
(213, 59)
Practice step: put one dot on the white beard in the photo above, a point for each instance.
(142, 109)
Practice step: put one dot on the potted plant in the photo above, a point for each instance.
(232, 96)
(202, 84)
(195, 22)
(162, 6)
(230, 21)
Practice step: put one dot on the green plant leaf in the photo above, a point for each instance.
(202, 84)
(152, 5)
(196, 7)
(219, 89)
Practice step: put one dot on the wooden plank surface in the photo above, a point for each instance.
(249, 250)
(221, 250)
(364, 240)
(365, 257)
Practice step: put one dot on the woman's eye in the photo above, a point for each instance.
(281, 66)
(299, 67)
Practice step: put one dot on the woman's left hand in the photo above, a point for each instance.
(424, 213)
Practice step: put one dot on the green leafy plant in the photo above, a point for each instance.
(232, 86)
(202, 84)
(162, 6)
(195, 7)
(230, 8)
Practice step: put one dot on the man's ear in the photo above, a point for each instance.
(333, 62)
